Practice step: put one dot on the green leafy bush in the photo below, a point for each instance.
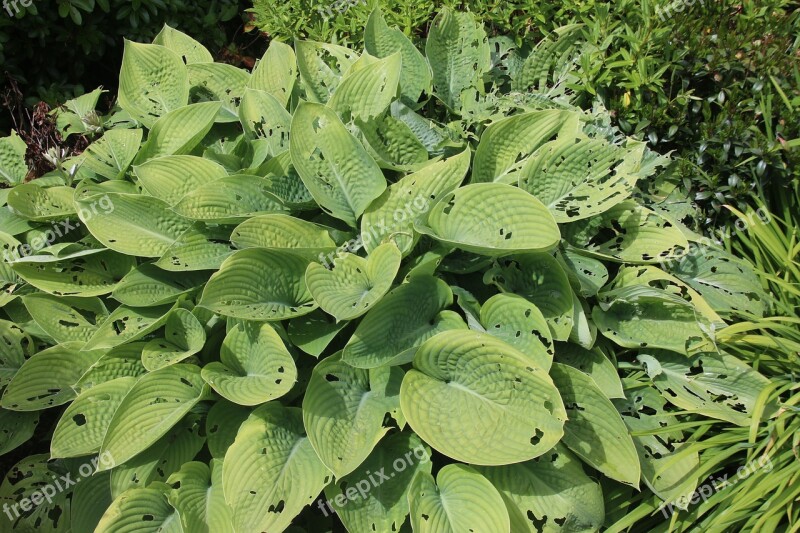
(259, 298)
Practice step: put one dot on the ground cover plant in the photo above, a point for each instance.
(392, 288)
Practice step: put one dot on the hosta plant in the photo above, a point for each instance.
(392, 288)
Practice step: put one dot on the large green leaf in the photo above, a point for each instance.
(283, 232)
(321, 67)
(468, 387)
(179, 131)
(353, 284)
(141, 509)
(459, 500)
(112, 155)
(382, 41)
(491, 219)
(540, 279)
(366, 93)
(264, 117)
(42, 204)
(189, 50)
(172, 177)
(715, 385)
(230, 199)
(203, 247)
(580, 178)
(551, 493)
(271, 472)
(595, 431)
(257, 284)
(66, 318)
(405, 318)
(184, 336)
(17, 429)
(150, 409)
(518, 322)
(255, 366)
(394, 212)
(595, 364)
(212, 82)
(380, 499)
(276, 72)
(149, 286)
(136, 225)
(83, 425)
(127, 324)
(333, 165)
(47, 378)
(458, 51)
(627, 233)
(152, 82)
(506, 144)
(343, 411)
(199, 498)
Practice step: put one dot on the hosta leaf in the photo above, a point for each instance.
(595, 431)
(313, 332)
(506, 144)
(392, 143)
(594, 364)
(587, 274)
(271, 471)
(184, 336)
(140, 509)
(88, 275)
(547, 62)
(16, 428)
(152, 407)
(126, 324)
(137, 225)
(264, 117)
(458, 51)
(467, 387)
(627, 233)
(42, 204)
(212, 82)
(276, 72)
(666, 467)
(321, 67)
(255, 366)
(199, 498)
(148, 286)
(189, 50)
(256, 284)
(518, 322)
(222, 424)
(715, 385)
(178, 446)
(119, 362)
(12, 159)
(229, 199)
(728, 284)
(382, 41)
(335, 168)
(540, 279)
(374, 497)
(550, 493)
(66, 318)
(580, 178)
(644, 317)
(354, 283)
(152, 82)
(172, 177)
(491, 219)
(90, 500)
(394, 212)
(343, 411)
(459, 500)
(179, 131)
(112, 155)
(83, 425)
(201, 248)
(405, 318)
(365, 93)
(283, 232)
(47, 379)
